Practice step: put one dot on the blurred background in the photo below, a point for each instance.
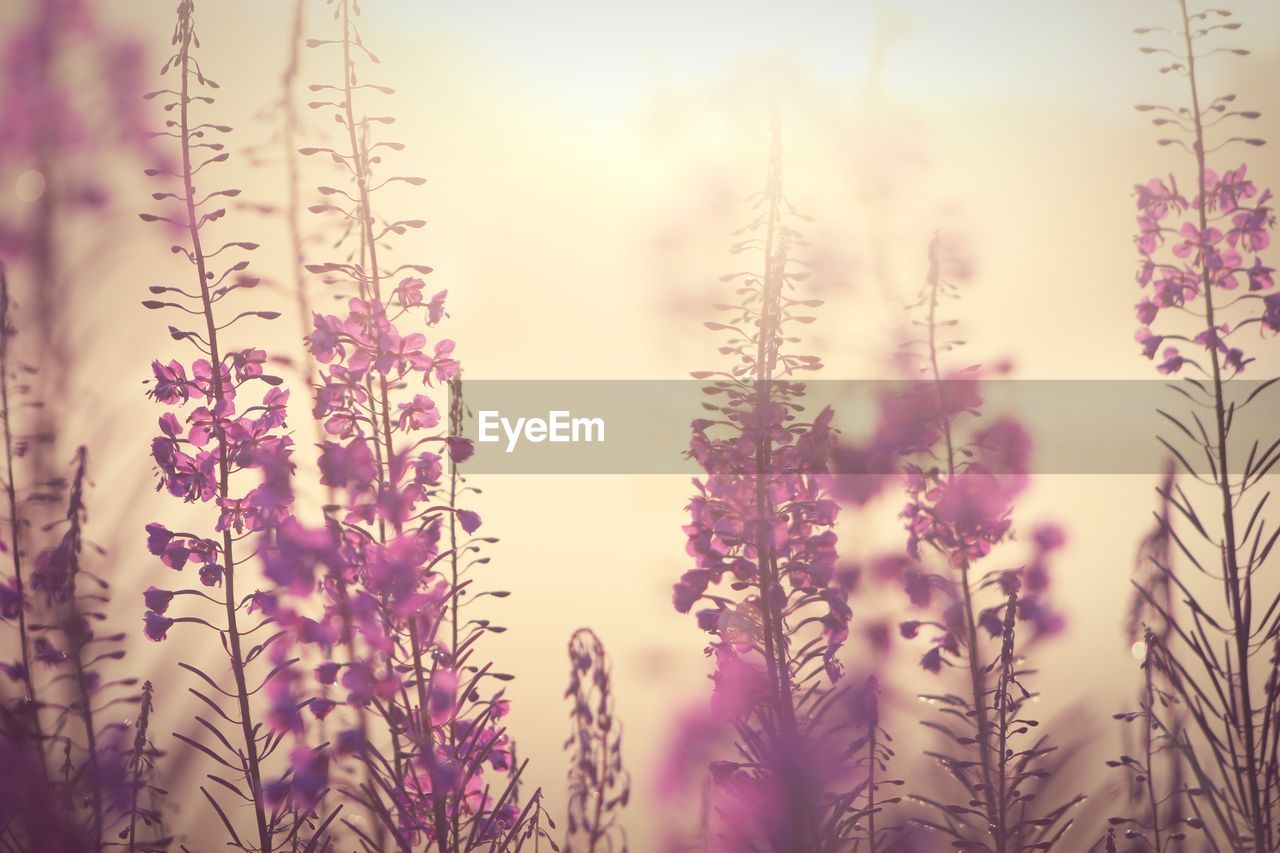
(586, 164)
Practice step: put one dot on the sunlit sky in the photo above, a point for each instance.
(607, 57)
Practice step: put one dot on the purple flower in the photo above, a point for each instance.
(420, 413)
(211, 574)
(708, 619)
(10, 600)
(327, 672)
(1150, 343)
(156, 626)
(171, 385)
(320, 707)
(1172, 361)
(460, 449)
(1271, 312)
(435, 308)
(348, 466)
(47, 653)
(408, 292)
(325, 340)
(158, 538)
(441, 366)
(157, 600)
(248, 363)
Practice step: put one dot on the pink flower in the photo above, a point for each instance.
(10, 600)
(248, 363)
(408, 292)
(1260, 276)
(1271, 312)
(171, 385)
(421, 413)
(1250, 230)
(349, 466)
(443, 696)
(435, 308)
(326, 338)
(460, 449)
(158, 538)
(442, 367)
(1147, 311)
(1150, 342)
(1156, 199)
(1212, 338)
(1196, 244)
(1172, 363)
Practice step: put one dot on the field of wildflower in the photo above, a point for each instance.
(972, 548)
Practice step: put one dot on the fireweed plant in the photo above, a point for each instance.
(764, 583)
(377, 594)
(104, 775)
(963, 473)
(14, 601)
(599, 784)
(70, 741)
(206, 458)
(1206, 290)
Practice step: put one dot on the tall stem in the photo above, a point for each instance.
(77, 629)
(777, 659)
(137, 761)
(1239, 591)
(1149, 736)
(977, 680)
(766, 352)
(232, 634)
(871, 787)
(15, 521)
(359, 163)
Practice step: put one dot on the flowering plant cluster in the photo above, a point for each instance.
(229, 431)
(349, 701)
(1208, 758)
(961, 475)
(1212, 241)
(375, 594)
(761, 523)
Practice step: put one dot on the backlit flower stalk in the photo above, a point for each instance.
(14, 599)
(146, 799)
(962, 479)
(599, 784)
(763, 583)
(377, 593)
(87, 730)
(206, 458)
(1207, 291)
